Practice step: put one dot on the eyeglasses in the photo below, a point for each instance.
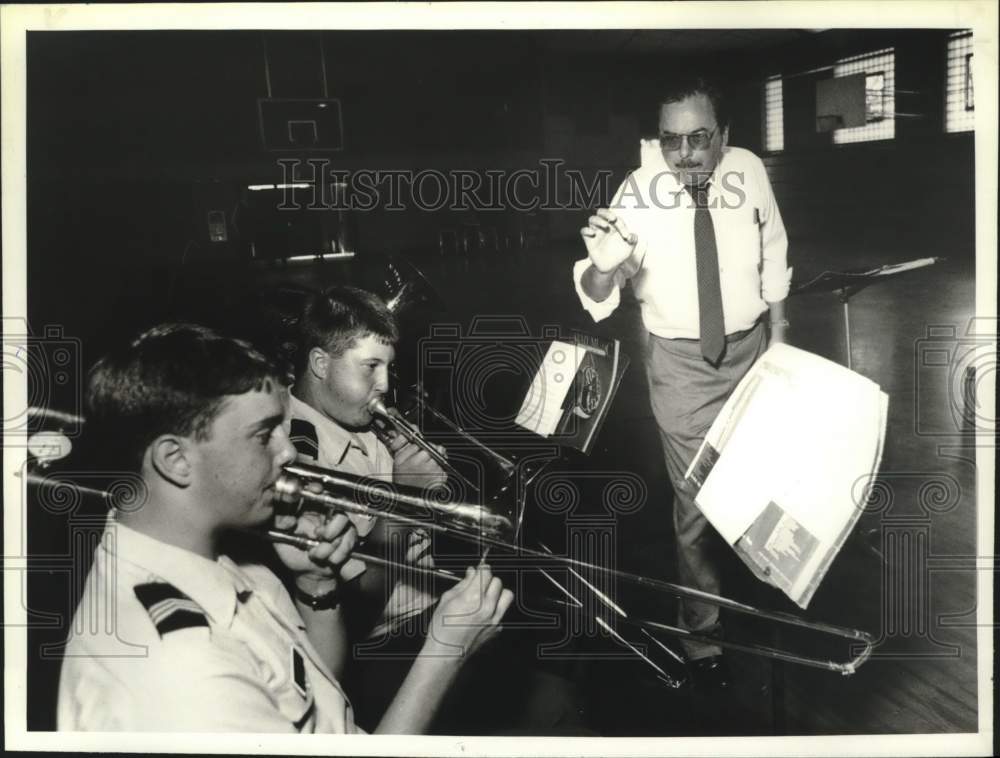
(697, 140)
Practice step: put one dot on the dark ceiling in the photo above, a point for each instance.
(675, 41)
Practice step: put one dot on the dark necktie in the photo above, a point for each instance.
(713, 328)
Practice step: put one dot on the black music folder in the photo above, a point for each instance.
(571, 393)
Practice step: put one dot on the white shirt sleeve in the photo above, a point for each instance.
(776, 276)
(599, 310)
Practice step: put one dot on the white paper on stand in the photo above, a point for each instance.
(781, 474)
(542, 407)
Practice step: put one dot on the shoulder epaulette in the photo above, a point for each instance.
(169, 608)
(303, 436)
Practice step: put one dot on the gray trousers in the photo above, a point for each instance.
(686, 394)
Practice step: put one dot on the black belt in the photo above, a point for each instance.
(734, 337)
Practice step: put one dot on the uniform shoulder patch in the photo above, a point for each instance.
(169, 608)
(303, 436)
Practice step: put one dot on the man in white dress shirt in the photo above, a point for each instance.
(697, 231)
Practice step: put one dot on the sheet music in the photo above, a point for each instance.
(778, 472)
(543, 405)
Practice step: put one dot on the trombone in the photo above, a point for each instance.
(477, 524)
(303, 487)
(390, 420)
(492, 530)
(405, 289)
(506, 465)
(339, 491)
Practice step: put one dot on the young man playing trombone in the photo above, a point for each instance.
(200, 643)
(346, 345)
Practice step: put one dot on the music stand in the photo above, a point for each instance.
(846, 284)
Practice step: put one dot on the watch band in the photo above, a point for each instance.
(325, 602)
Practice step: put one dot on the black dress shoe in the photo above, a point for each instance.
(710, 673)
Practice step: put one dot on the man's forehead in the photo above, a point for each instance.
(372, 347)
(254, 406)
(687, 115)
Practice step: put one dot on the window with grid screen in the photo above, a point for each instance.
(959, 104)
(880, 101)
(774, 115)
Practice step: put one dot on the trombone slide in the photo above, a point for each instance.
(341, 491)
(487, 528)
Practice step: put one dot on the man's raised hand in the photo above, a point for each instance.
(609, 242)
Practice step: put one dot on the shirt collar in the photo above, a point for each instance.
(651, 156)
(342, 439)
(709, 186)
(212, 585)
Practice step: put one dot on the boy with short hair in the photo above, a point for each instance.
(199, 642)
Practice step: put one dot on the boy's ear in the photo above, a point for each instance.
(171, 456)
(319, 362)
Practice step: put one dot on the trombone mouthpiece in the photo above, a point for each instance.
(288, 489)
(377, 407)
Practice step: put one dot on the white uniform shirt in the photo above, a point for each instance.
(750, 238)
(325, 443)
(320, 440)
(199, 646)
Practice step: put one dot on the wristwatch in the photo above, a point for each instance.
(325, 602)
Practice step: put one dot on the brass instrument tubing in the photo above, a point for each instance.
(306, 543)
(505, 463)
(332, 501)
(413, 435)
(676, 590)
(475, 515)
